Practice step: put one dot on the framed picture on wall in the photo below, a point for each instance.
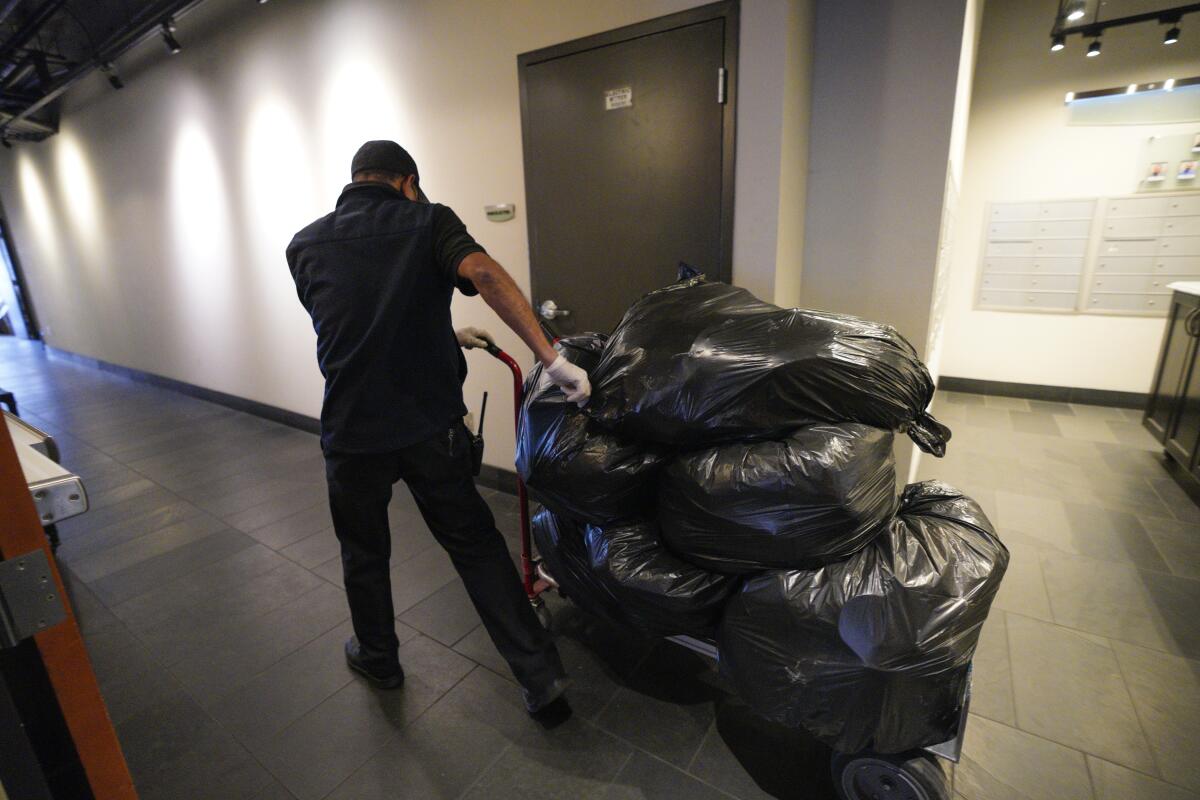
(1187, 171)
(1158, 172)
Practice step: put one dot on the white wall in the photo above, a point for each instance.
(972, 23)
(153, 226)
(1019, 147)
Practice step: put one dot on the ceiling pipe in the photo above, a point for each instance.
(9, 7)
(29, 29)
(143, 25)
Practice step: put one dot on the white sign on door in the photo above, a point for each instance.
(618, 98)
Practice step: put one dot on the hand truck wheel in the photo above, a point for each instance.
(904, 776)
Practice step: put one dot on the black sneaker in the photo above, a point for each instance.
(553, 714)
(379, 679)
(549, 708)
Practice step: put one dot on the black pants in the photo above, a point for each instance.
(438, 472)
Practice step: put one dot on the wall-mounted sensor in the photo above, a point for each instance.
(501, 212)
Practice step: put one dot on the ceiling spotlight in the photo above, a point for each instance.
(1172, 36)
(1076, 9)
(1132, 89)
(1169, 85)
(168, 34)
(1058, 42)
(114, 77)
(1070, 97)
(1094, 48)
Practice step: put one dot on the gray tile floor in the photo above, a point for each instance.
(206, 581)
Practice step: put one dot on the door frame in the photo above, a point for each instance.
(33, 330)
(727, 10)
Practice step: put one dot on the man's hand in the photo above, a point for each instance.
(571, 379)
(473, 337)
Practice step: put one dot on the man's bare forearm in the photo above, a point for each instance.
(500, 291)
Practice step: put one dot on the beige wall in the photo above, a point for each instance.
(1019, 147)
(793, 157)
(935, 339)
(153, 226)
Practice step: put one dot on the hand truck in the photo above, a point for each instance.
(867, 775)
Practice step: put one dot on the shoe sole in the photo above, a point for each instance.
(394, 682)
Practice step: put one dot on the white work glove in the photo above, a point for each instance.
(473, 337)
(571, 379)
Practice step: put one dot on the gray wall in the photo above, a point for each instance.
(885, 78)
(883, 91)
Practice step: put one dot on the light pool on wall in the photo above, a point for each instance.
(202, 259)
(358, 103)
(78, 193)
(41, 216)
(279, 192)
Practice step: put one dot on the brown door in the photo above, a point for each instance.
(628, 141)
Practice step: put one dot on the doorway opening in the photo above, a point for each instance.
(16, 311)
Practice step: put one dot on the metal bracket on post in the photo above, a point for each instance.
(29, 599)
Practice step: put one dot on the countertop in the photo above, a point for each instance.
(1187, 287)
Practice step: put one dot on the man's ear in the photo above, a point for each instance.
(410, 187)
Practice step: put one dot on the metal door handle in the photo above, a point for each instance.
(1190, 323)
(550, 310)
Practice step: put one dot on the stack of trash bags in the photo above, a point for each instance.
(732, 478)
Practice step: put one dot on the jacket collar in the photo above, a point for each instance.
(371, 186)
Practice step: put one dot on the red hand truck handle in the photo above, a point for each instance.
(527, 571)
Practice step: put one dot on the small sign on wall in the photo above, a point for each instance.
(1168, 163)
(499, 212)
(618, 98)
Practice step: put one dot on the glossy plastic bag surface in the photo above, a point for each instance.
(624, 573)
(818, 495)
(571, 464)
(699, 362)
(561, 544)
(659, 592)
(872, 651)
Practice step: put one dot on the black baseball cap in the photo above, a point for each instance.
(385, 156)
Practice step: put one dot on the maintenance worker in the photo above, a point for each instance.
(377, 275)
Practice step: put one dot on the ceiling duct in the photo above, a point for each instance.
(46, 46)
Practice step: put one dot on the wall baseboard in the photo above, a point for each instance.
(498, 478)
(1034, 391)
(274, 413)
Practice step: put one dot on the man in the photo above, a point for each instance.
(377, 275)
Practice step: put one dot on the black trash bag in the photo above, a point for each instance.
(572, 465)
(562, 546)
(699, 362)
(817, 496)
(659, 592)
(624, 574)
(872, 651)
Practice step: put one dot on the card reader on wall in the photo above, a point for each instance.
(501, 212)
